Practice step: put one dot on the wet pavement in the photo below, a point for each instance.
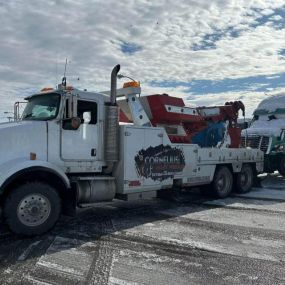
(189, 240)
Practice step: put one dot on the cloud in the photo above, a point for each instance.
(161, 41)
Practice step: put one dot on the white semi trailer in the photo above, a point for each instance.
(69, 149)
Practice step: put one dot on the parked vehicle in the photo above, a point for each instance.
(266, 132)
(69, 148)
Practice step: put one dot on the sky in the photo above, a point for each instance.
(207, 52)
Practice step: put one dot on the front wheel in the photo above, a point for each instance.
(32, 208)
(223, 182)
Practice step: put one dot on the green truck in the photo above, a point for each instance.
(266, 132)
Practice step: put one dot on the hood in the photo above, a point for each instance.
(265, 128)
(19, 139)
(272, 104)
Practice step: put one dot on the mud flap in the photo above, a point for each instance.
(69, 203)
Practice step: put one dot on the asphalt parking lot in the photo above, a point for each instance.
(189, 240)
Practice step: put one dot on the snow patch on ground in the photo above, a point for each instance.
(67, 257)
(117, 281)
(241, 203)
(266, 193)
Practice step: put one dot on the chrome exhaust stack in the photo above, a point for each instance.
(114, 74)
(112, 124)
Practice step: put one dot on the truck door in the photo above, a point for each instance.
(82, 144)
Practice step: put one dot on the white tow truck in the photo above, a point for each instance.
(69, 149)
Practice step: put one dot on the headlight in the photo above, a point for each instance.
(279, 148)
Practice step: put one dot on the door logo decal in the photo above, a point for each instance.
(160, 162)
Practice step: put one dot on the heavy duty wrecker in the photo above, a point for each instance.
(76, 147)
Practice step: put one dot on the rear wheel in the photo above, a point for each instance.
(281, 166)
(223, 182)
(32, 208)
(244, 179)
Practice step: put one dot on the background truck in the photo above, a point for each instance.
(75, 147)
(266, 132)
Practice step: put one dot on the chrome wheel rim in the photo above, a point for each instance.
(34, 210)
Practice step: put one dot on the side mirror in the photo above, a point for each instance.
(71, 124)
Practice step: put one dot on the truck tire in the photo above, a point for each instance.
(32, 208)
(281, 166)
(244, 179)
(222, 182)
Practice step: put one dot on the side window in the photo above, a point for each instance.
(66, 113)
(87, 112)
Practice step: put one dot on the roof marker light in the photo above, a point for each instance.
(131, 84)
(47, 89)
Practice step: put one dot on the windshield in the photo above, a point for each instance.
(42, 107)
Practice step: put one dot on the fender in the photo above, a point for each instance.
(15, 166)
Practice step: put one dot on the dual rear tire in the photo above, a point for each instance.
(224, 182)
(244, 179)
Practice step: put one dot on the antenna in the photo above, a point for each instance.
(65, 67)
(56, 71)
(64, 75)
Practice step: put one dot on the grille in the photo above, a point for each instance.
(255, 141)
(264, 144)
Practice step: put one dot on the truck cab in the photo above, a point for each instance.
(71, 127)
(267, 132)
